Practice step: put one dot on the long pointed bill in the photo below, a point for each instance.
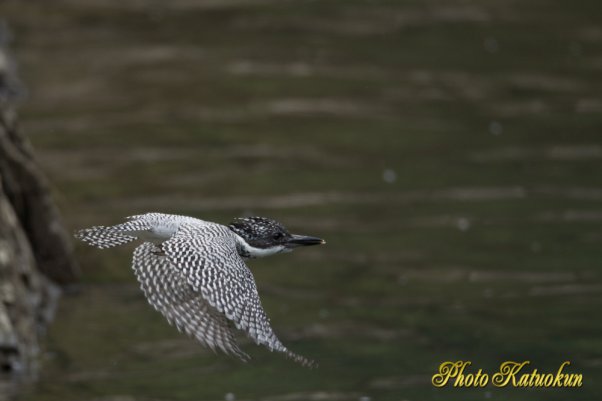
(304, 240)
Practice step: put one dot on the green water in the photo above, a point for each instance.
(450, 152)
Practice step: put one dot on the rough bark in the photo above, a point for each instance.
(26, 187)
(35, 252)
(27, 298)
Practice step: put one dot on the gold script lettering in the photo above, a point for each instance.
(507, 373)
(448, 370)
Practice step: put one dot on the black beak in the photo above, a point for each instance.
(304, 240)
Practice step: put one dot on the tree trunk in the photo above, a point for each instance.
(35, 251)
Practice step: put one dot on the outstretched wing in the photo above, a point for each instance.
(210, 262)
(168, 292)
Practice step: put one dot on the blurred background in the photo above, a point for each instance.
(450, 152)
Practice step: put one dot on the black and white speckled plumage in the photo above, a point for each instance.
(169, 292)
(193, 273)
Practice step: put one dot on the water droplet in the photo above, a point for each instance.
(229, 397)
(463, 224)
(495, 128)
(389, 176)
(365, 398)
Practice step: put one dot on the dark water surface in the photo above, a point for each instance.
(449, 151)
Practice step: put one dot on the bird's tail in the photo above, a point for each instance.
(103, 237)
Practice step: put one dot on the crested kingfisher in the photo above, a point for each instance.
(193, 272)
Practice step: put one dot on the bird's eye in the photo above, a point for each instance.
(278, 236)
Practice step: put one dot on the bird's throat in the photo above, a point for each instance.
(246, 250)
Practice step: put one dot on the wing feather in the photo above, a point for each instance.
(168, 291)
(207, 255)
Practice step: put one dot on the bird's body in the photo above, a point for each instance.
(193, 272)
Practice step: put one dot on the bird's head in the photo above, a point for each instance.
(260, 236)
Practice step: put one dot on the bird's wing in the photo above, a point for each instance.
(207, 255)
(168, 292)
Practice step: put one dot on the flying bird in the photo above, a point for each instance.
(194, 273)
